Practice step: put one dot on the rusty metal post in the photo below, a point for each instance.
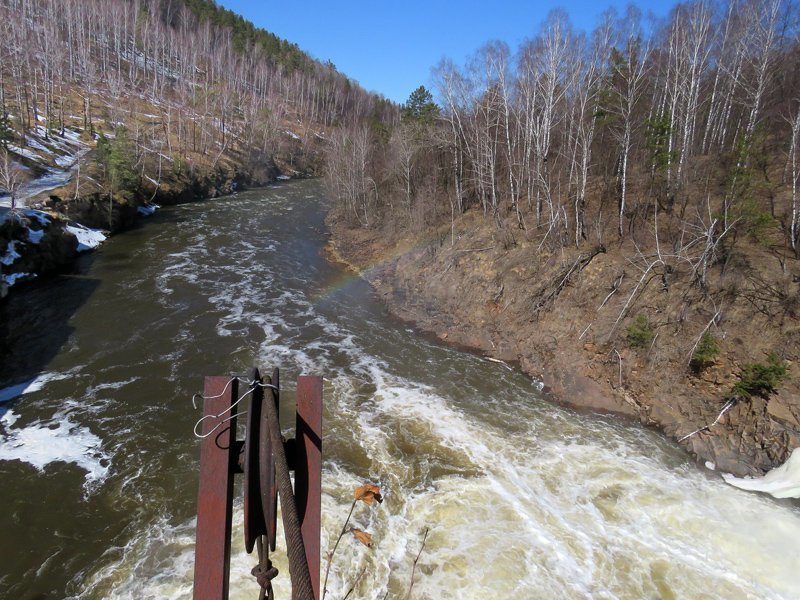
(254, 524)
(308, 470)
(218, 454)
(264, 455)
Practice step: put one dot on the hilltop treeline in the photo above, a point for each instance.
(587, 137)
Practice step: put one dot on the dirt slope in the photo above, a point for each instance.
(552, 314)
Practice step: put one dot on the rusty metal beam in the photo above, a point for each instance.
(269, 489)
(308, 470)
(218, 454)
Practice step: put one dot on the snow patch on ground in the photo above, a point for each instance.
(34, 143)
(42, 217)
(292, 134)
(56, 153)
(781, 482)
(35, 235)
(60, 440)
(24, 152)
(12, 278)
(148, 210)
(65, 161)
(10, 254)
(88, 239)
(283, 177)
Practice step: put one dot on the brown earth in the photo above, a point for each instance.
(551, 313)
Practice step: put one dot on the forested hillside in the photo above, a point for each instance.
(199, 92)
(110, 106)
(620, 207)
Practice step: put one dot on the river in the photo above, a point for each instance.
(523, 499)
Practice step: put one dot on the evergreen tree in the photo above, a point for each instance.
(420, 107)
(6, 132)
(120, 164)
(115, 159)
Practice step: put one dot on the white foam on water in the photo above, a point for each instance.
(182, 268)
(781, 482)
(112, 385)
(58, 440)
(575, 519)
(33, 385)
(159, 563)
(95, 399)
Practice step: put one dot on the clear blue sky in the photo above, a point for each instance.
(390, 47)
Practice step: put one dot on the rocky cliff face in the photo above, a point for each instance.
(33, 243)
(558, 317)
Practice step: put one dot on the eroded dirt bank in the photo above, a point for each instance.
(558, 316)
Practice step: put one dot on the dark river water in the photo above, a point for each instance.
(523, 499)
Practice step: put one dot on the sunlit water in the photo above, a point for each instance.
(523, 499)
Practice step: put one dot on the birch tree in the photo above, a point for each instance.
(794, 179)
(629, 68)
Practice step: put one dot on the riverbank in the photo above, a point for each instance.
(557, 316)
(46, 239)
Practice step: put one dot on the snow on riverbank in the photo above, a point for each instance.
(781, 482)
(28, 227)
(88, 239)
(12, 278)
(10, 254)
(148, 210)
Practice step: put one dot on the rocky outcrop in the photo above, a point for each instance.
(33, 243)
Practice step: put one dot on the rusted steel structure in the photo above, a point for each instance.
(264, 457)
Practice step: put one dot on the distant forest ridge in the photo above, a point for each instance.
(245, 35)
(214, 79)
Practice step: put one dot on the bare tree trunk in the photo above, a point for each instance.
(794, 227)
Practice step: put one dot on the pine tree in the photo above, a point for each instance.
(420, 107)
(120, 165)
(6, 132)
